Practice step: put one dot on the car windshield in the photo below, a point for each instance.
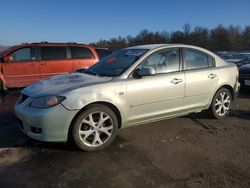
(6, 49)
(239, 56)
(116, 63)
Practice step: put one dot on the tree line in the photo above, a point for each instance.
(231, 38)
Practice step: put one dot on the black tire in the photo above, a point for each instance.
(215, 114)
(77, 126)
(1, 87)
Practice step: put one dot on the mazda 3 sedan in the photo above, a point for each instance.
(133, 86)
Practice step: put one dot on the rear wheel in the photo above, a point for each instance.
(95, 128)
(221, 103)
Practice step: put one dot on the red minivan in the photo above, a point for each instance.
(27, 63)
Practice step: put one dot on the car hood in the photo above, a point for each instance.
(62, 83)
(245, 69)
(233, 60)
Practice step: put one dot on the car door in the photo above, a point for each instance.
(201, 78)
(154, 97)
(24, 68)
(81, 57)
(54, 61)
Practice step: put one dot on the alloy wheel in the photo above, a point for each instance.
(222, 103)
(96, 129)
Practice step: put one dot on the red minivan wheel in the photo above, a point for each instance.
(1, 86)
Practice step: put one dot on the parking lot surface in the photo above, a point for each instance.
(190, 151)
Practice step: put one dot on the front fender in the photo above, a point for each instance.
(76, 100)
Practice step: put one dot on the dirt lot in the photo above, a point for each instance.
(191, 151)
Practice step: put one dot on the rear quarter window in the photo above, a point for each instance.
(81, 53)
(103, 52)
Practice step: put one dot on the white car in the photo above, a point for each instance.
(133, 86)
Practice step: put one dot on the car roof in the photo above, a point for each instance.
(100, 48)
(44, 43)
(153, 47)
(244, 53)
(148, 46)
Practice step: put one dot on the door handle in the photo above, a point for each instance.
(176, 81)
(212, 76)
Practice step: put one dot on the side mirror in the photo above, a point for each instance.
(146, 71)
(8, 59)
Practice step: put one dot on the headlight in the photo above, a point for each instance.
(46, 102)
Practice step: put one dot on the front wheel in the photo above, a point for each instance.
(221, 103)
(95, 128)
(1, 87)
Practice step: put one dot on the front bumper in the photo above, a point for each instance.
(52, 123)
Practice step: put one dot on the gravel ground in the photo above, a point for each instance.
(190, 151)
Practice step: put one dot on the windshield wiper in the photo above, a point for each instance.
(97, 74)
(105, 75)
(92, 73)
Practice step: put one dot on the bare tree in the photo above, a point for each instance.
(219, 38)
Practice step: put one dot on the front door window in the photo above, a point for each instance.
(24, 55)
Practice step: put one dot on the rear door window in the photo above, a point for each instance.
(53, 53)
(81, 53)
(197, 60)
(24, 54)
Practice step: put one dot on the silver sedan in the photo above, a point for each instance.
(133, 86)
